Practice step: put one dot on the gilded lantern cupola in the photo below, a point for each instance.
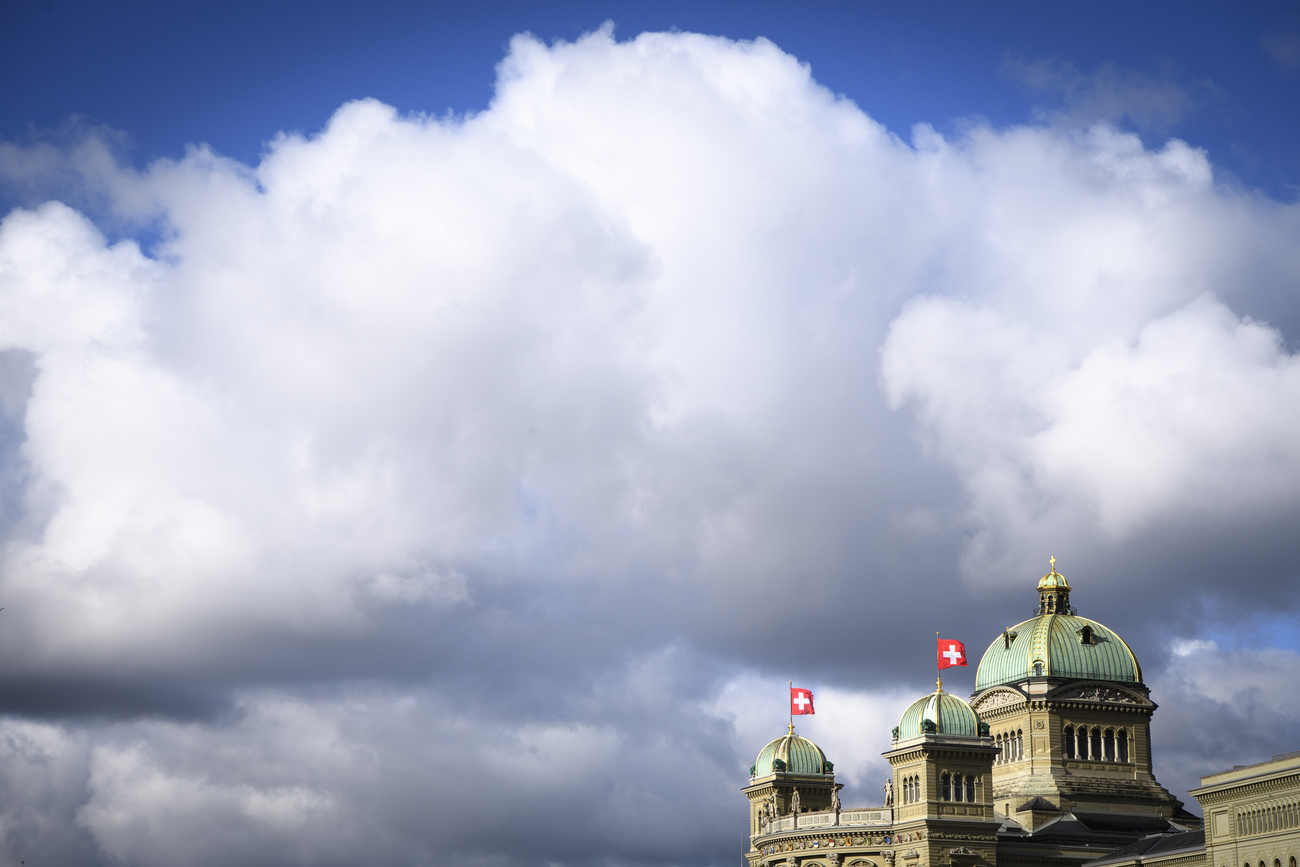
(1054, 593)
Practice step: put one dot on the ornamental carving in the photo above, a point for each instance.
(1097, 693)
(999, 699)
(961, 850)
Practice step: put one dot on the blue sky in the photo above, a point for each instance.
(411, 407)
(235, 74)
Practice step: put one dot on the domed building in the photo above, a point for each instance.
(1064, 699)
(1048, 764)
(790, 776)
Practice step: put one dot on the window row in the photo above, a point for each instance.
(957, 787)
(1261, 820)
(1096, 744)
(911, 790)
(1277, 862)
(1011, 746)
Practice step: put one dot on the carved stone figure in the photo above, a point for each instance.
(889, 792)
(794, 801)
(1098, 693)
(835, 800)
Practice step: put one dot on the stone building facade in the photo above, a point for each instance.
(1049, 763)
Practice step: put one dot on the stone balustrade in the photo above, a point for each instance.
(830, 819)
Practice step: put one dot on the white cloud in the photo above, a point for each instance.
(1196, 414)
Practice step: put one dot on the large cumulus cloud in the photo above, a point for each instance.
(457, 486)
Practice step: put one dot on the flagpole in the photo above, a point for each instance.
(938, 679)
(792, 707)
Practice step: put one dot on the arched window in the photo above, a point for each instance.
(1020, 744)
(1095, 752)
(1069, 742)
(1108, 745)
(1123, 745)
(1038, 668)
(1085, 635)
(945, 789)
(970, 788)
(1082, 734)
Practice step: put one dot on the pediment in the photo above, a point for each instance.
(1101, 693)
(998, 697)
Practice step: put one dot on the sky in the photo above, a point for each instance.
(439, 433)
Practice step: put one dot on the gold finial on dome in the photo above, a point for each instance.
(1053, 562)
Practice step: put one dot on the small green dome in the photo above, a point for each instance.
(798, 755)
(950, 715)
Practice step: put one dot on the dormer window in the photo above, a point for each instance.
(1038, 668)
(1085, 635)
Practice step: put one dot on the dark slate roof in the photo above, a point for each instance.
(1154, 846)
(1039, 803)
(1125, 823)
(1104, 830)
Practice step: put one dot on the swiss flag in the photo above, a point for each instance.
(800, 701)
(951, 653)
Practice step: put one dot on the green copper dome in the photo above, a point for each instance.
(950, 715)
(1057, 643)
(797, 755)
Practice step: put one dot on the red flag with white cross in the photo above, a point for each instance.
(800, 701)
(951, 653)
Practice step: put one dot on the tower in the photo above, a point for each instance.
(787, 764)
(941, 763)
(1070, 717)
